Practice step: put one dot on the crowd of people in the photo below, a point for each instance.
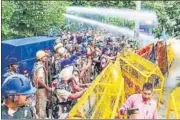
(59, 77)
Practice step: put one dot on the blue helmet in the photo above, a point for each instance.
(23, 66)
(12, 61)
(65, 63)
(17, 85)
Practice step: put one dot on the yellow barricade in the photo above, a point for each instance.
(103, 98)
(170, 54)
(174, 104)
(136, 70)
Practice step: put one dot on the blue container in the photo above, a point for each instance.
(24, 50)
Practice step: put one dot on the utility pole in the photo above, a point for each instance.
(137, 23)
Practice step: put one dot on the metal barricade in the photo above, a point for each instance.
(136, 70)
(103, 98)
(174, 104)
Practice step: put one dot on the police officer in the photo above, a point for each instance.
(17, 89)
(63, 53)
(12, 67)
(23, 69)
(57, 46)
(57, 57)
(77, 75)
(40, 80)
(63, 90)
(58, 40)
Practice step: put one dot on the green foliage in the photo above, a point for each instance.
(31, 18)
(7, 31)
(168, 16)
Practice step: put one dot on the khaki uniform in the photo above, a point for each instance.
(41, 94)
(63, 92)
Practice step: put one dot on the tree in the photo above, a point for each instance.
(31, 18)
(167, 12)
(7, 12)
(173, 10)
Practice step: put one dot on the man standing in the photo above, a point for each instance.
(143, 105)
(63, 90)
(17, 89)
(40, 80)
(12, 67)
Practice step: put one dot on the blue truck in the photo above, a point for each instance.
(24, 49)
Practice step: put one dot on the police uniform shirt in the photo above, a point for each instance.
(41, 74)
(63, 94)
(62, 91)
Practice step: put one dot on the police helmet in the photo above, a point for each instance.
(59, 45)
(40, 54)
(12, 61)
(62, 51)
(17, 85)
(23, 66)
(57, 40)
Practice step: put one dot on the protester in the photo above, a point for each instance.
(143, 104)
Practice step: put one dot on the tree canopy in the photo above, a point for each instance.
(32, 18)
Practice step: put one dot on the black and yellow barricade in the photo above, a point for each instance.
(136, 71)
(174, 105)
(103, 98)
